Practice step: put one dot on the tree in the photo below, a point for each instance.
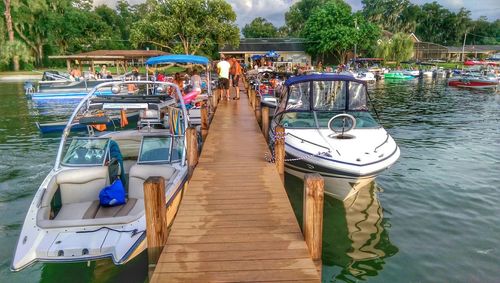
(186, 25)
(401, 47)
(10, 32)
(260, 28)
(392, 15)
(439, 25)
(333, 29)
(299, 13)
(383, 49)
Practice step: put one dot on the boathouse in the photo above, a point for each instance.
(289, 49)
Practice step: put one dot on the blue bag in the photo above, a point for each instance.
(113, 194)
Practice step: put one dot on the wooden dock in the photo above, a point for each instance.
(235, 222)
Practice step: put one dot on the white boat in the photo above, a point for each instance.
(66, 222)
(414, 73)
(59, 86)
(329, 130)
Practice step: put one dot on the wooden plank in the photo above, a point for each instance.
(292, 228)
(235, 238)
(227, 206)
(238, 276)
(188, 218)
(208, 247)
(236, 265)
(234, 255)
(232, 224)
(252, 211)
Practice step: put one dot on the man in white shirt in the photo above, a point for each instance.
(223, 71)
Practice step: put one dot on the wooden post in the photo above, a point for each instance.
(265, 122)
(204, 122)
(192, 148)
(313, 214)
(68, 65)
(215, 100)
(252, 95)
(156, 217)
(279, 151)
(258, 112)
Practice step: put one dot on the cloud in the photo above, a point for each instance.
(274, 10)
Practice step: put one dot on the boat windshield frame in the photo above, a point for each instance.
(282, 108)
(86, 102)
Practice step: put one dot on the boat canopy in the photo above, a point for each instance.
(177, 58)
(321, 77)
(324, 92)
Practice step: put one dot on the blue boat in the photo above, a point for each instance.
(58, 86)
(58, 127)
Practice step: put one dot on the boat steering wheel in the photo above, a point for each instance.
(348, 122)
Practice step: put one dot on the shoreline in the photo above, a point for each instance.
(19, 78)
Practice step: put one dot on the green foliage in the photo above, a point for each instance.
(187, 25)
(431, 22)
(399, 48)
(9, 50)
(299, 13)
(392, 15)
(439, 25)
(260, 28)
(333, 29)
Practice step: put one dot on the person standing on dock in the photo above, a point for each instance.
(223, 71)
(235, 74)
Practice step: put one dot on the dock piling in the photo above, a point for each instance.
(279, 151)
(265, 122)
(204, 122)
(313, 214)
(156, 217)
(258, 111)
(192, 148)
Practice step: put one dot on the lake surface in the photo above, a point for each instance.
(433, 217)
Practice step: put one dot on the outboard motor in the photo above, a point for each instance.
(29, 88)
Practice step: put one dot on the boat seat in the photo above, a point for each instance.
(139, 173)
(82, 184)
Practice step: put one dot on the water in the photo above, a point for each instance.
(433, 217)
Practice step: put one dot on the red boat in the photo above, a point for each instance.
(471, 81)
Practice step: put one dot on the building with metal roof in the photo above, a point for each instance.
(288, 49)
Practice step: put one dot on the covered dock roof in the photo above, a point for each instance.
(111, 55)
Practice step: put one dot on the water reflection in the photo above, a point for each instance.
(96, 271)
(354, 237)
(355, 240)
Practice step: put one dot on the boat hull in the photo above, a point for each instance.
(342, 180)
(474, 84)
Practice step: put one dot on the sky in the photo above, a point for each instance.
(274, 10)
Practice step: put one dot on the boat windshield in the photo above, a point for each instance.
(161, 149)
(364, 119)
(86, 152)
(327, 96)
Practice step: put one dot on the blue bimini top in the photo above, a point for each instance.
(177, 58)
